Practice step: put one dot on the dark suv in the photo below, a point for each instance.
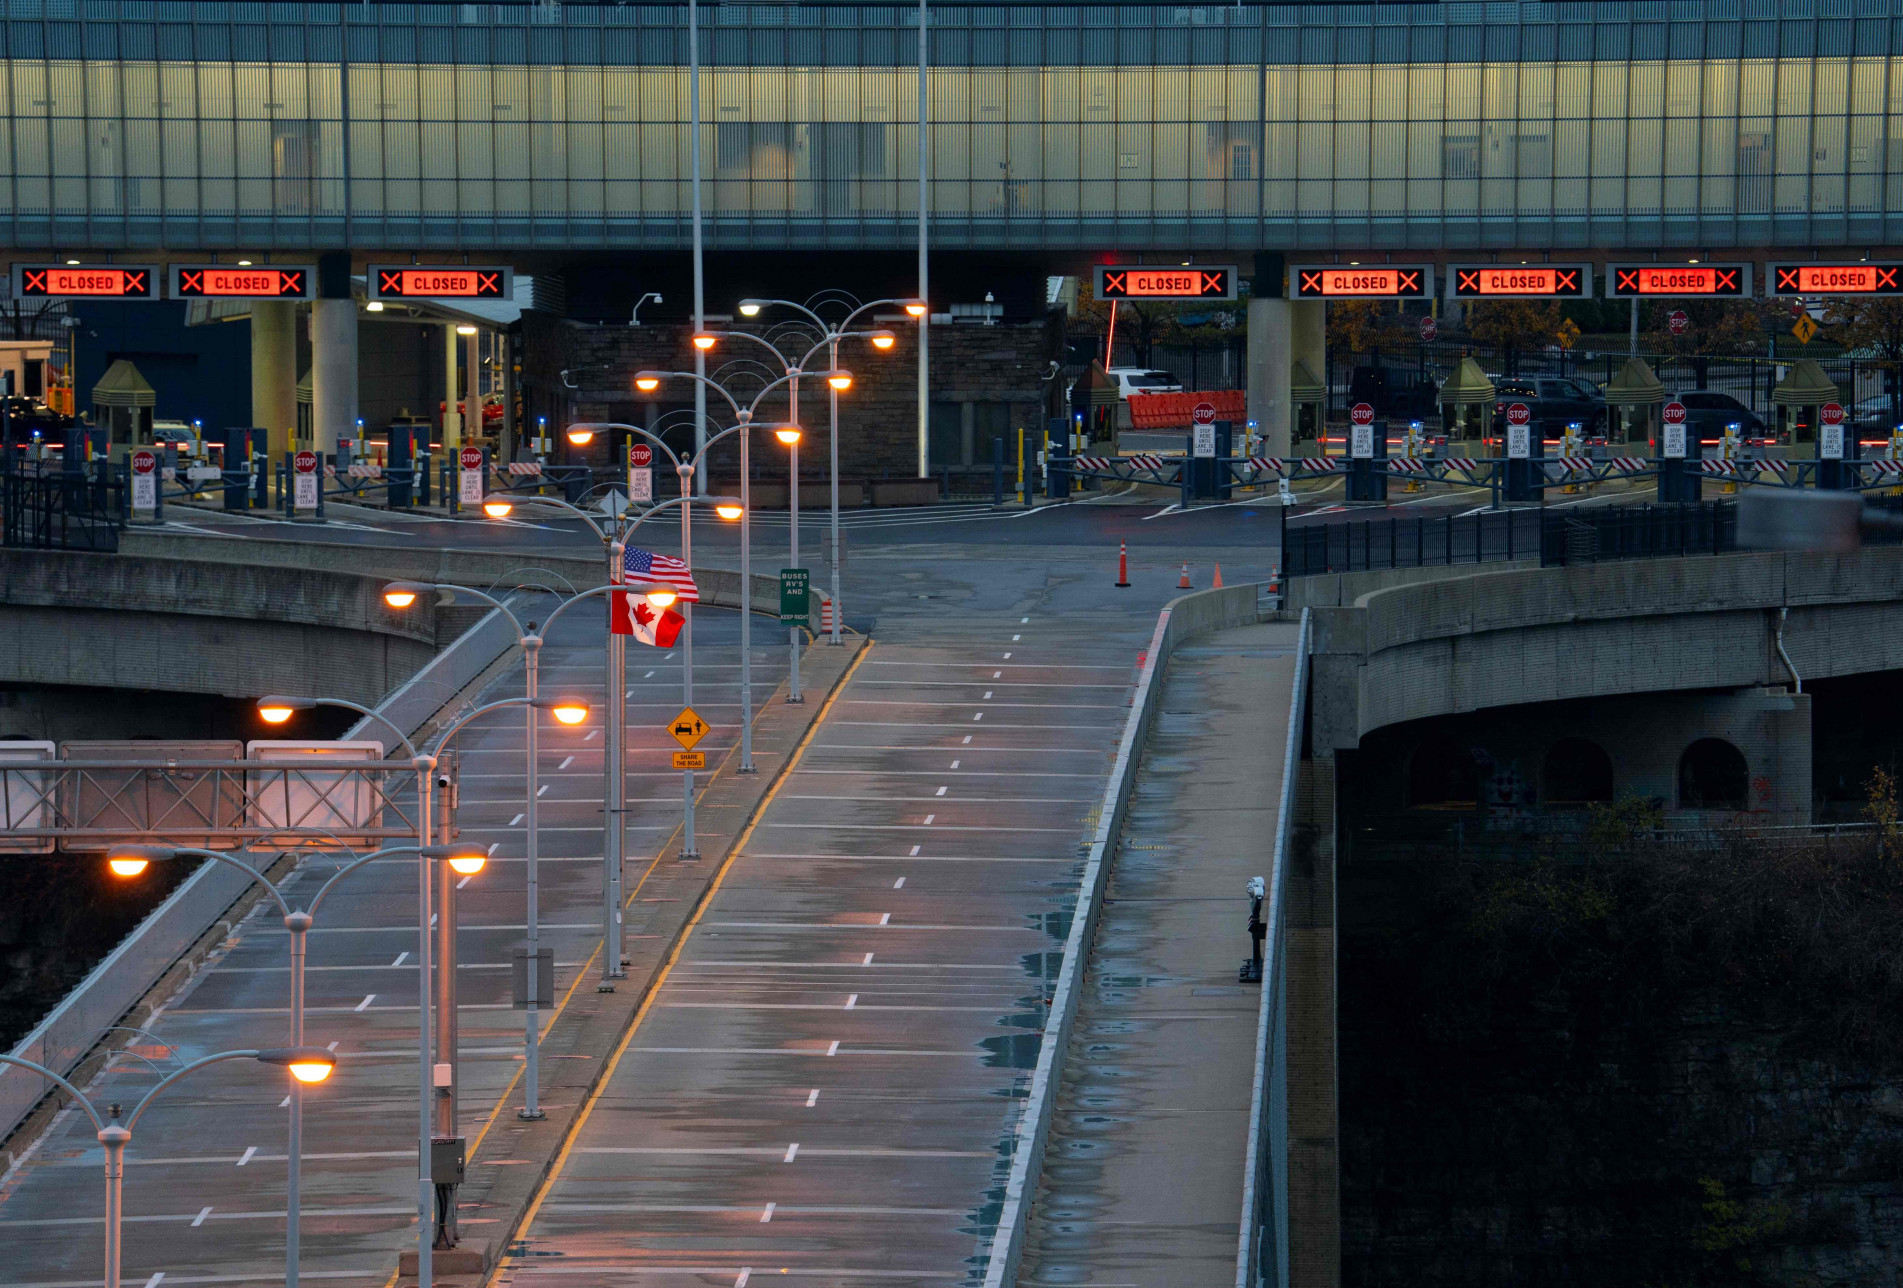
(1708, 414)
(1555, 403)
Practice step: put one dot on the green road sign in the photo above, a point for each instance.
(795, 584)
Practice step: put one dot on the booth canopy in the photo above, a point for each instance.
(1635, 386)
(123, 386)
(1467, 387)
(1806, 386)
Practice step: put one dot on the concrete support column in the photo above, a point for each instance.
(333, 372)
(1268, 380)
(452, 419)
(1308, 335)
(1314, 1175)
(274, 368)
(472, 368)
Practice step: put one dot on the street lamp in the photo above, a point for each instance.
(883, 341)
(530, 642)
(306, 1065)
(614, 681)
(131, 860)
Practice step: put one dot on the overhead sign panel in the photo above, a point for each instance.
(1520, 281)
(1136, 282)
(1861, 278)
(86, 281)
(448, 282)
(241, 282)
(1678, 281)
(1362, 281)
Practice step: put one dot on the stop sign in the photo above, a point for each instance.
(1675, 413)
(1362, 413)
(640, 456)
(1832, 414)
(144, 462)
(1203, 414)
(1518, 414)
(1429, 328)
(470, 458)
(305, 462)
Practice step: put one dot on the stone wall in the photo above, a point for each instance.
(996, 371)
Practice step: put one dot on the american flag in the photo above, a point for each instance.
(640, 565)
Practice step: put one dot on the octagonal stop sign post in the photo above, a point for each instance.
(1524, 475)
(470, 469)
(307, 485)
(1836, 448)
(640, 474)
(145, 486)
(1679, 476)
(1367, 455)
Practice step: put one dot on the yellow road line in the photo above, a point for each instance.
(660, 979)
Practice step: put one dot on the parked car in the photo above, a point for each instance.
(1876, 416)
(1708, 414)
(1554, 402)
(1143, 380)
(174, 431)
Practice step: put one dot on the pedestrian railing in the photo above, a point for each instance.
(1262, 1238)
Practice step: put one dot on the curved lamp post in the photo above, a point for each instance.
(131, 860)
(831, 336)
(307, 1064)
(614, 780)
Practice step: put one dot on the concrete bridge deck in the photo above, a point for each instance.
(1144, 1167)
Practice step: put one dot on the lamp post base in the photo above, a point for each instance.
(529, 1116)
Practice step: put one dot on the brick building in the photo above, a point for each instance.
(987, 381)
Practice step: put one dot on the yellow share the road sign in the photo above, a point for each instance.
(688, 728)
(690, 760)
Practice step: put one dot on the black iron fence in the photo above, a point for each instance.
(56, 510)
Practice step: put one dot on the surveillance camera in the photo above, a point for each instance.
(658, 299)
(1257, 887)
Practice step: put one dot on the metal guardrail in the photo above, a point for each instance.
(1262, 1239)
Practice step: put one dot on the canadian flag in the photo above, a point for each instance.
(631, 614)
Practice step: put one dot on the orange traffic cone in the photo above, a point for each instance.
(1216, 582)
(1275, 583)
(1123, 564)
(1182, 583)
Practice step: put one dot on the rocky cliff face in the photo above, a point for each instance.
(1536, 1091)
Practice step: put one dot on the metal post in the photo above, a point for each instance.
(793, 528)
(924, 267)
(425, 1183)
(833, 440)
(1632, 340)
(114, 1138)
(997, 470)
(700, 276)
(532, 1024)
(690, 848)
(746, 597)
(446, 999)
(614, 788)
(298, 924)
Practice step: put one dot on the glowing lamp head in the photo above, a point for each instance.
(306, 1064)
(465, 329)
(647, 384)
(127, 865)
(468, 863)
(842, 381)
(570, 712)
(399, 598)
(661, 597)
(374, 306)
(703, 342)
(730, 513)
(916, 308)
(311, 1071)
(883, 340)
(749, 308)
(273, 714)
(497, 509)
(787, 434)
(581, 437)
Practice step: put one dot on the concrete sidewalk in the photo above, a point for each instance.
(1143, 1180)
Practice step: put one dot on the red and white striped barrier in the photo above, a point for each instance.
(1467, 463)
(1885, 467)
(1575, 463)
(1776, 467)
(1628, 464)
(1144, 462)
(1320, 464)
(1717, 467)
(366, 471)
(520, 468)
(1092, 462)
(1406, 465)
(330, 471)
(825, 616)
(1272, 464)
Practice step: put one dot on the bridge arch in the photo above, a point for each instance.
(1575, 772)
(1713, 774)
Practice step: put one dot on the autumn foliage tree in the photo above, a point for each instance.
(1874, 326)
(1514, 326)
(1713, 328)
(1365, 326)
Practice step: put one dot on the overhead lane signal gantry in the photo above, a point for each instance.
(1519, 281)
(1362, 281)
